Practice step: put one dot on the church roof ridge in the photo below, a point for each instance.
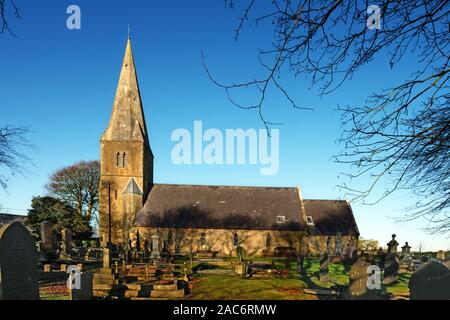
(224, 186)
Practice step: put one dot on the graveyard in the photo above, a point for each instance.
(274, 159)
(58, 270)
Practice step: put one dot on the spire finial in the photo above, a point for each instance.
(129, 32)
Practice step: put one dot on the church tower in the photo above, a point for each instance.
(126, 159)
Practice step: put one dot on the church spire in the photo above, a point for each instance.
(127, 117)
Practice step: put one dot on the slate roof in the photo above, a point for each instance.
(221, 207)
(331, 217)
(247, 208)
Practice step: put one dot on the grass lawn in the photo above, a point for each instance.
(401, 287)
(230, 287)
(234, 288)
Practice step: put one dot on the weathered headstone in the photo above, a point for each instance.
(146, 249)
(391, 268)
(440, 255)
(66, 245)
(18, 264)
(155, 247)
(406, 259)
(240, 253)
(406, 249)
(138, 241)
(300, 260)
(392, 245)
(47, 237)
(380, 258)
(349, 251)
(106, 258)
(338, 245)
(358, 287)
(324, 276)
(48, 243)
(431, 281)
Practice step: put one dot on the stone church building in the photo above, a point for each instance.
(201, 218)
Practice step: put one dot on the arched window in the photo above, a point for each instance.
(235, 239)
(203, 239)
(124, 159)
(118, 160)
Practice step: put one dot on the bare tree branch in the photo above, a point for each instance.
(401, 134)
(4, 15)
(13, 143)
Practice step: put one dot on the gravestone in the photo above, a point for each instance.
(380, 258)
(18, 264)
(300, 261)
(358, 288)
(392, 245)
(156, 254)
(431, 281)
(146, 249)
(406, 260)
(338, 246)
(48, 243)
(106, 258)
(391, 268)
(66, 245)
(138, 241)
(240, 253)
(324, 276)
(47, 237)
(349, 251)
(406, 249)
(440, 255)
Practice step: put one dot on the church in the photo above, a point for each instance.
(189, 219)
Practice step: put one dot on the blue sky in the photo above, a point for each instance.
(62, 83)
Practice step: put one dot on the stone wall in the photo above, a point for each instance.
(317, 244)
(254, 242)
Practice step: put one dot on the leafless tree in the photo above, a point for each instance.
(400, 134)
(7, 7)
(13, 145)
